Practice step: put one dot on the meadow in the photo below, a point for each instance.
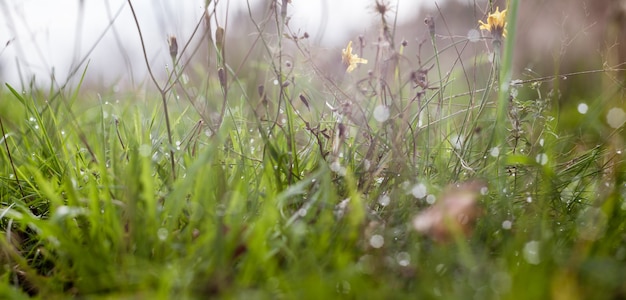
(268, 175)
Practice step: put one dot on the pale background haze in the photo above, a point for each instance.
(46, 37)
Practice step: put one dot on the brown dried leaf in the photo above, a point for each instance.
(453, 214)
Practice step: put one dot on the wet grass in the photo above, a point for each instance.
(381, 185)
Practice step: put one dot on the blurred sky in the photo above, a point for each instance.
(51, 36)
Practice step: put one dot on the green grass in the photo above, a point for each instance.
(286, 198)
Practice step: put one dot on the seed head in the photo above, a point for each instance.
(173, 46)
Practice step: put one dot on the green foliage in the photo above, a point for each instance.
(292, 197)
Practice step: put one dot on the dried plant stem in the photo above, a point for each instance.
(161, 91)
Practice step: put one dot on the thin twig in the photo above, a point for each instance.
(161, 91)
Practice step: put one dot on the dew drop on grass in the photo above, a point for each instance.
(343, 287)
(403, 259)
(62, 211)
(457, 142)
(616, 117)
(162, 234)
(337, 168)
(582, 108)
(473, 35)
(381, 113)
(531, 253)
(507, 225)
(377, 241)
(419, 191)
(440, 269)
(542, 159)
(495, 151)
(430, 199)
(384, 200)
(302, 212)
(484, 190)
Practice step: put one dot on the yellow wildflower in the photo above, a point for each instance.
(350, 59)
(496, 24)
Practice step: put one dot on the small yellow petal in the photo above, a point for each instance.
(351, 59)
(496, 23)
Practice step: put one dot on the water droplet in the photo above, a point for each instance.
(162, 234)
(430, 199)
(377, 241)
(337, 168)
(384, 200)
(381, 113)
(582, 108)
(343, 287)
(440, 269)
(541, 141)
(529, 199)
(473, 35)
(484, 190)
(419, 191)
(531, 253)
(495, 151)
(302, 212)
(457, 142)
(542, 159)
(506, 225)
(616, 117)
(403, 259)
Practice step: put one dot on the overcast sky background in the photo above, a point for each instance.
(42, 34)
